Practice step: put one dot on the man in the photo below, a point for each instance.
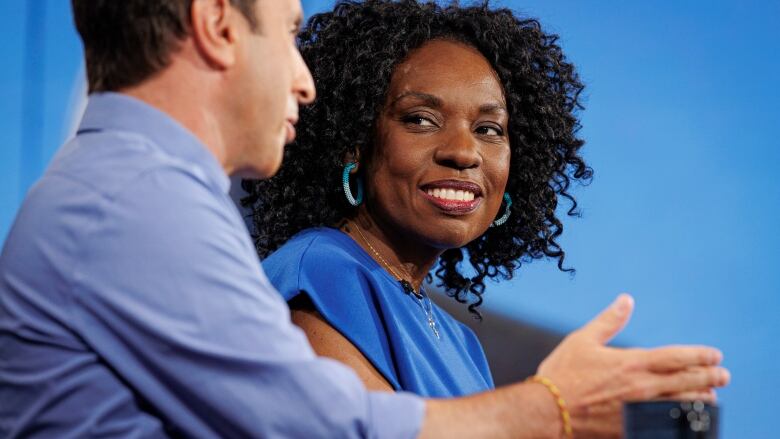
(131, 300)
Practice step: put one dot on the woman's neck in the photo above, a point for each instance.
(405, 257)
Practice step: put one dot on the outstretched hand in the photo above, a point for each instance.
(596, 379)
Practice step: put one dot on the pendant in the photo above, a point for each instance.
(408, 289)
(432, 324)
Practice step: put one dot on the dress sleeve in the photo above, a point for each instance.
(345, 293)
(182, 311)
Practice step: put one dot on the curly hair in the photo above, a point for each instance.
(352, 53)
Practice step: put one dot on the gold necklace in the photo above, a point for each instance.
(423, 300)
(405, 284)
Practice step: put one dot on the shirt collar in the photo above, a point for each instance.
(117, 111)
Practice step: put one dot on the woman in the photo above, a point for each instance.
(442, 139)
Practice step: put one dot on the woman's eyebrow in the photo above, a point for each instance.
(429, 99)
(493, 108)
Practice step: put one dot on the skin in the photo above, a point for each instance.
(221, 88)
(441, 123)
(451, 128)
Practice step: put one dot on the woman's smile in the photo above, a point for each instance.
(453, 197)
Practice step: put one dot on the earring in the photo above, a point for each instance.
(347, 190)
(507, 212)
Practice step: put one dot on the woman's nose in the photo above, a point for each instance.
(460, 150)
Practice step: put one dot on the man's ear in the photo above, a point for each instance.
(216, 29)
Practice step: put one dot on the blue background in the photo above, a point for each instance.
(681, 121)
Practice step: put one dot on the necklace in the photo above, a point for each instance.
(422, 298)
(405, 284)
(425, 303)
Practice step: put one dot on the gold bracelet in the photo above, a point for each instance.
(558, 400)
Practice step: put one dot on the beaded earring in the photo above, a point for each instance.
(507, 212)
(347, 190)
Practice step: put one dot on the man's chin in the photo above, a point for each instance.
(261, 167)
(268, 169)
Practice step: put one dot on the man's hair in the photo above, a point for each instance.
(127, 41)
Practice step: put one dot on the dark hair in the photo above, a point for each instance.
(127, 41)
(352, 53)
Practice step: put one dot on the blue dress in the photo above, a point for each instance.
(362, 301)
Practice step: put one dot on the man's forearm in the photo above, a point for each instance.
(523, 410)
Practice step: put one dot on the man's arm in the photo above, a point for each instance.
(594, 380)
(181, 310)
(169, 292)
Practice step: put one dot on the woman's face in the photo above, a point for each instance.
(442, 154)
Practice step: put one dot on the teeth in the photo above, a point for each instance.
(451, 194)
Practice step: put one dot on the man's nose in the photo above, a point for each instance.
(303, 85)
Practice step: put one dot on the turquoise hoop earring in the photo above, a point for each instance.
(507, 212)
(347, 190)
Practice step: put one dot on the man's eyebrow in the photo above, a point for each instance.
(429, 99)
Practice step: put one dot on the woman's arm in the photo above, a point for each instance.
(518, 411)
(328, 342)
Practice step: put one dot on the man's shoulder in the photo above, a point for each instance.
(105, 163)
(117, 185)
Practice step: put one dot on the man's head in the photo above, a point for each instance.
(229, 70)
(127, 41)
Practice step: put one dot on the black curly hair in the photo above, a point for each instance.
(352, 53)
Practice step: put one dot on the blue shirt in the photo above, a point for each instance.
(133, 304)
(391, 328)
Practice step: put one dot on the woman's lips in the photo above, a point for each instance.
(453, 207)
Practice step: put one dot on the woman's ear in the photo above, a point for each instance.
(352, 156)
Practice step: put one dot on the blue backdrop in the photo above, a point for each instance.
(681, 125)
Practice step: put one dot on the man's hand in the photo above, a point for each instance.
(595, 379)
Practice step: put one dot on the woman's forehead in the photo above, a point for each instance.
(442, 69)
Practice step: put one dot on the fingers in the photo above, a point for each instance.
(692, 379)
(611, 321)
(675, 358)
(706, 395)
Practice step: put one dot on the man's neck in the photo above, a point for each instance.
(187, 100)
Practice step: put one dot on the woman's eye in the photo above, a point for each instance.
(490, 131)
(418, 120)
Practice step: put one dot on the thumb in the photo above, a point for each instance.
(611, 321)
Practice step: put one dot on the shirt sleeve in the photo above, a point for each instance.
(341, 291)
(169, 292)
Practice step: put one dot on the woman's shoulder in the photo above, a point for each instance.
(315, 260)
(336, 275)
(320, 246)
